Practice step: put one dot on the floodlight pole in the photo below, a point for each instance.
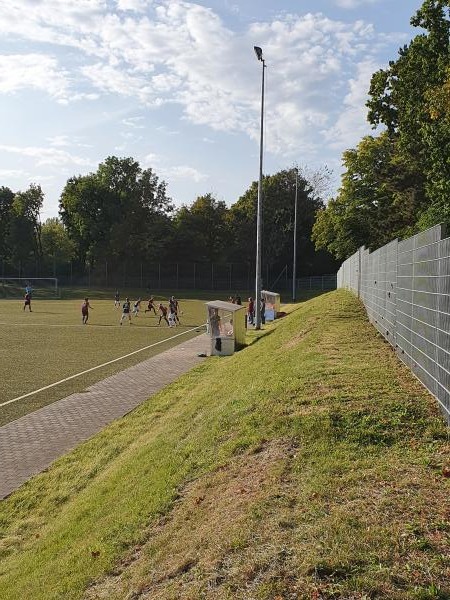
(259, 56)
(294, 268)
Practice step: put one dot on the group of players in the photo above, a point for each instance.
(168, 314)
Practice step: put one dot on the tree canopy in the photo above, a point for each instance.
(399, 182)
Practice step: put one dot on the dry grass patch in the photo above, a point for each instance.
(191, 550)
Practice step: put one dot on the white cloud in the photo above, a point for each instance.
(177, 52)
(38, 71)
(133, 5)
(134, 122)
(352, 124)
(46, 156)
(11, 173)
(168, 172)
(354, 3)
(183, 172)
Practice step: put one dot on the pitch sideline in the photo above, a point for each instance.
(47, 387)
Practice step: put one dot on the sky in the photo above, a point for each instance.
(176, 85)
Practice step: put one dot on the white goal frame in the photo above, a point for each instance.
(24, 281)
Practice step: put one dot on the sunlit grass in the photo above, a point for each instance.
(308, 465)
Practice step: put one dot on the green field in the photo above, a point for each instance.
(312, 464)
(50, 344)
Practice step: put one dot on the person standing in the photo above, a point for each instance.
(85, 311)
(116, 299)
(126, 306)
(27, 301)
(251, 311)
(174, 308)
(263, 310)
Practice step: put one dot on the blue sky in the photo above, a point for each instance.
(176, 85)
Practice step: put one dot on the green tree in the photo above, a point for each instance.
(57, 247)
(24, 235)
(121, 212)
(381, 198)
(278, 221)
(201, 230)
(401, 98)
(6, 201)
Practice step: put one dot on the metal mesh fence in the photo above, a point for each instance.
(405, 287)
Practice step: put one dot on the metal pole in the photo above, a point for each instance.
(259, 212)
(294, 268)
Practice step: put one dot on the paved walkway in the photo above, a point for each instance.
(30, 444)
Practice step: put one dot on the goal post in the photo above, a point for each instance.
(40, 287)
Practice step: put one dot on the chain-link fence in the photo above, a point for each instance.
(405, 287)
(154, 276)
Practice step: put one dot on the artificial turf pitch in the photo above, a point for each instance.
(50, 344)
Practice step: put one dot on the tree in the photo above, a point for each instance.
(278, 221)
(202, 230)
(6, 201)
(380, 198)
(120, 212)
(405, 98)
(56, 244)
(24, 235)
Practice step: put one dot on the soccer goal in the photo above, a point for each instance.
(39, 287)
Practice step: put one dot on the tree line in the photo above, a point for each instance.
(398, 182)
(121, 214)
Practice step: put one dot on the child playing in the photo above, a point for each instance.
(151, 305)
(85, 311)
(126, 311)
(162, 314)
(27, 301)
(136, 307)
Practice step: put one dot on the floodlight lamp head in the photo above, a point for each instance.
(258, 52)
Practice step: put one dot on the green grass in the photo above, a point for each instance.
(309, 465)
(50, 344)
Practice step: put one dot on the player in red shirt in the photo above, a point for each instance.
(163, 314)
(27, 301)
(85, 311)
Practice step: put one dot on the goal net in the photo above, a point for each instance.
(39, 287)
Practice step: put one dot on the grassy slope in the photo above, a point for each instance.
(308, 465)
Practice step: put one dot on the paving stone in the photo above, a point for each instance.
(30, 444)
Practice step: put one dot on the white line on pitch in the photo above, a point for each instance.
(47, 387)
(89, 325)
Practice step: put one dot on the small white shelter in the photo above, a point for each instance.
(272, 301)
(226, 327)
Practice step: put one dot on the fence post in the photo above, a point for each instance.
(359, 273)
